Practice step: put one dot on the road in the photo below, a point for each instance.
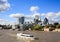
(10, 36)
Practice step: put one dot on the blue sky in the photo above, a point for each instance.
(23, 6)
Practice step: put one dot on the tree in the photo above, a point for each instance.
(37, 27)
(56, 23)
(58, 26)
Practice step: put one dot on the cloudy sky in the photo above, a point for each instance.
(10, 9)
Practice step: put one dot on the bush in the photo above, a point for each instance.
(52, 26)
(47, 26)
(56, 23)
(26, 27)
(58, 26)
(37, 27)
(51, 29)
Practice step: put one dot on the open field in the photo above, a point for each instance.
(10, 36)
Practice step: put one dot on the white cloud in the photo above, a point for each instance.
(17, 15)
(3, 21)
(32, 16)
(53, 17)
(28, 16)
(58, 14)
(34, 8)
(43, 14)
(4, 5)
(36, 15)
(29, 20)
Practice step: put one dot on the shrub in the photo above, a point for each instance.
(28, 26)
(51, 29)
(58, 26)
(56, 23)
(47, 26)
(52, 26)
(37, 27)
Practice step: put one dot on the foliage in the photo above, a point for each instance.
(6, 27)
(58, 26)
(56, 23)
(47, 26)
(37, 27)
(52, 26)
(51, 29)
(28, 26)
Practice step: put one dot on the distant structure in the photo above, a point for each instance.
(21, 22)
(45, 22)
(36, 19)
